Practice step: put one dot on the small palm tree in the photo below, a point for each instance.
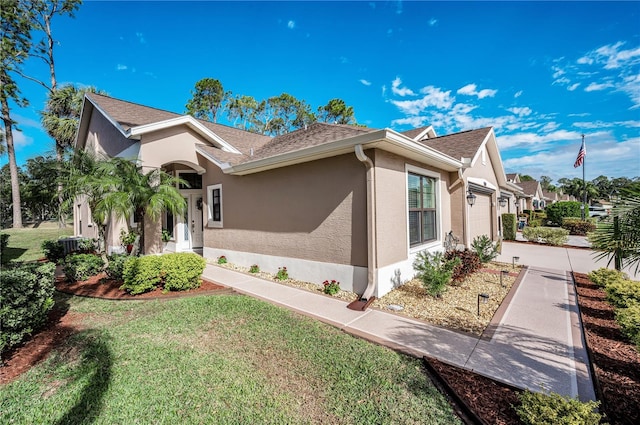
(119, 187)
(618, 237)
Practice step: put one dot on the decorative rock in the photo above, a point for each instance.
(395, 307)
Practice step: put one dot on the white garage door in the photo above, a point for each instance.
(480, 217)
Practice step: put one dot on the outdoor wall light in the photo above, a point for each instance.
(502, 201)
(484, 298)
(514, 261)
(502, 274)
(471, 198)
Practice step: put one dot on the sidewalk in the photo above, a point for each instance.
(537, 343)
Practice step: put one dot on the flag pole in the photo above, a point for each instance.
(584, 187)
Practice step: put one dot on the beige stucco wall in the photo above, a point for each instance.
(484, 169)
(314, 211)
(391, 205)
(175, 144)
(103, 137)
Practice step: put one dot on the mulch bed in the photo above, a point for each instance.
(100, 286)
(615, 360)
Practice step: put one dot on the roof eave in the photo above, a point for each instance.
(385, 139)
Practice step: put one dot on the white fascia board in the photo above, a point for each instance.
(222, 165)
(429, 130)
(184, 120)
(307, 154)
(448, 163)
(111, 120)
(385, 139)
(496, 159)
(481, 182)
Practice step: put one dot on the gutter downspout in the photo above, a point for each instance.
(372, 252)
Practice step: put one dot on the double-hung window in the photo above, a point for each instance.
(422, 209)
(214, 198)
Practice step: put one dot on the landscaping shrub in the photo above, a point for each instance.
(4, 241)
(563, 209)
(173, 272)
(554, 409)
(53, 250)
(181, 271)
(222, 259)
(604, 276)
(254, 269)
(578, 227)
(469, 263)
(141, 274)
(486, 249)
(629, 320)
(282, 274)
(88, 245)
(549, 235)
(623, 292)
(435, 271)
(82, 266)
(331, 287)
(509, 226)
(25, 300)
(535, 222)
(115, 266)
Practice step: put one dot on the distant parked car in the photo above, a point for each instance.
(598, 212)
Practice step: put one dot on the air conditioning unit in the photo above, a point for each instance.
(70, 244)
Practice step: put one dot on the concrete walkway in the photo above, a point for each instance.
(536, 344)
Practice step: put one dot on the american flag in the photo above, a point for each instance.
(581, 154)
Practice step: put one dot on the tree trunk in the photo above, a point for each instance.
(61, 217)
(13, 167)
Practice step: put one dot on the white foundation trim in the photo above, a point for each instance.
(351, 278)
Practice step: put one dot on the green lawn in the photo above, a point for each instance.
(24, 244)
(225, 359)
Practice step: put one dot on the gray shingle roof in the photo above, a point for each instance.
(529, 187)
(459, 145)
(414, 132)
(129, 115)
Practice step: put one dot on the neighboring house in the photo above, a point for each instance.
(520, 200)
(533, 193)
(340, 202)
(550, 197)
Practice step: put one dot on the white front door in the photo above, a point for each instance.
(195, 220)
(189, 227)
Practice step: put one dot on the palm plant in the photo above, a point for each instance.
(119, 187)
(618, 236)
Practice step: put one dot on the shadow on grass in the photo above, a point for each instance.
(11, 254)
(94, 368)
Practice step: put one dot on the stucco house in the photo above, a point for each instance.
(533, 193)
(328, 201)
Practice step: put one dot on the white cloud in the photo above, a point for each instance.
(598, 86)
(291, 24)
(411, 121)
(530, 139)
(400, 91)
(141, 38)
(365, 82)
(433, 22)
(433, 97)
(19, 138)
(572, 87)
(471, 90)
(518, 94)
(121, 67)
(522, 112)
(384, 90)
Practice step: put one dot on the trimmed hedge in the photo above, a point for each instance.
(141, 274)
(25, 300)
(578, 227)
(53, 250)
(604, 276)
(623, 292)
(182, 271)
(173, 272)
(82, 266)
(559, 210)
(115, 266)
(554, 409)
(509, 226)
(629, 320)
(549, 235)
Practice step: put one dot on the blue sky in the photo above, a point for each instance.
(540, 73)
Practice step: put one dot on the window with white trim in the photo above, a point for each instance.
(214, 210)
(422, 209)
